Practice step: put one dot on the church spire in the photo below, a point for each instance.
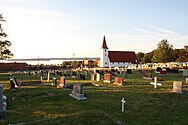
(104, 46)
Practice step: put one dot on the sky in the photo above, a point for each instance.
(59, 28)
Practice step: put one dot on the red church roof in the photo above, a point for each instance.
(104, 46)
(122, 56)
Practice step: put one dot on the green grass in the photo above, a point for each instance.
(39, 104)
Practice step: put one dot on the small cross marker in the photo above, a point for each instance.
(155, 83)
(123, 104)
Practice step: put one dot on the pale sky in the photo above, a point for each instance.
(59, 28)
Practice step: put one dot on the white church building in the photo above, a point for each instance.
(116, 58)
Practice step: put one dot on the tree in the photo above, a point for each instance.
(164, 52)
(147, 57)
(181, 54)
(4, 43)
(140, 56)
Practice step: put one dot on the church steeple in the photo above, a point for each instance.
(104, 46)
(104, 54)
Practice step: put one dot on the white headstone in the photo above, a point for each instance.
(98, 77)
(186, 80)
(48, 76)
(177, 86)
(155, 83)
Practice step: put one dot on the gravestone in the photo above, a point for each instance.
(14, 85)
(120, 71)
(177, 87)
(82, 76)
(77, 92)
(147, 76)
(175, 70)
(185, 72)
(129, 71)
(186, 80)
(159, 78)
(2, 103)
(158, 69)
(163, 73)
(107, 78)
(155, 83)
(54, 81)
(98, 77)
(48, 79)
(93, 77)
(123, 104)
(124, 73)
(74, 74)
(118, 81)
(62, 82)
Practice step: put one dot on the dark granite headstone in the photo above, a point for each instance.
(14, 85)
(129, 71)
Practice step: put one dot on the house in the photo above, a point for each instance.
(116, 58)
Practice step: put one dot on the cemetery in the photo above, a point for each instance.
(97, 97)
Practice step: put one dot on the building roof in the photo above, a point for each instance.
(122, 56)
(104, 45)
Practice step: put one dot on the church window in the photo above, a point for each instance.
(105, 54)
(105, 50)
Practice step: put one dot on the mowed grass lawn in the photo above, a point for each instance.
(38, 104)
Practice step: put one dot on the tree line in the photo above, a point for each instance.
(164, 53)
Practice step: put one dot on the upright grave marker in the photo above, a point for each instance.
(155, 83)
(147, 76)
(98, 77)
(54, 81)
(177, 87)
(118, 81)
(123, 104)
(185, 72)
(163, 73)
(77, 92)
(14, 85)
(2, 103)
(62, 82)
(48, 79)
(186, 80)
(107, 78)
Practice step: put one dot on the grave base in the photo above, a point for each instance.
(106, 81)
(118, 84)
(78, 98)
(147, 78)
